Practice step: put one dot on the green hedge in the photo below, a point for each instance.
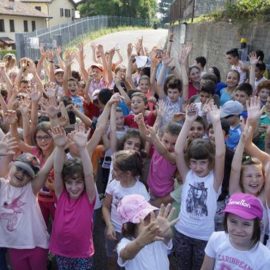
(4, 52)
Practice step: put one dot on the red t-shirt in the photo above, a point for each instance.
(149, 120)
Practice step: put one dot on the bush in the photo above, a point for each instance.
(4, 52)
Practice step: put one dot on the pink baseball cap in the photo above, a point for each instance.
(244, 205)
(133, 208)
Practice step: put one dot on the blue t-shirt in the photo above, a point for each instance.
(234, 137)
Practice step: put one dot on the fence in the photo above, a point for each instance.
(188, 9)
(27, 44)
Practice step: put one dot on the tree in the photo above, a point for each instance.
(164, 9)
(142, 9)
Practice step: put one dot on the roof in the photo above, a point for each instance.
(19, 9)
(45, 1)
(7, 40)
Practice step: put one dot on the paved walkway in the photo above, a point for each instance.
(151, 38)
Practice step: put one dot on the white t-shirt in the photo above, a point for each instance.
(198, 206)
(117, 192)
(229, 258)
(153, 256)
(21, 223)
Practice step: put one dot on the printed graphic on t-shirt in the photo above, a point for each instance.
(196, 200)
(12, 217)
(231, 263)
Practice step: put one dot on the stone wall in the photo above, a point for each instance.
(212, 40)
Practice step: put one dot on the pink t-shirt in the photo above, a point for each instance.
(160, 177)
(72, 233)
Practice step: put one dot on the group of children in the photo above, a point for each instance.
(177, 159)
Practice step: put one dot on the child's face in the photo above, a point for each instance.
(241, 96)
(59, 77)
(118, 174)
(264, 94)
(74, 186)
(121, 74)
(233, 120)
(137, 105)
(204, 96)
(132, 143)
(252, 179)
(232, 79)
(173, 94)
(144, 85)
(196, 130)
(73, 88)
(195, 75)
(96, 73)
(44, 140)
(211, 135)
(258, 73)
(169, 140)
(199, 166)
(240, 231)
(119, 119)
(232, 60)
(19, 177)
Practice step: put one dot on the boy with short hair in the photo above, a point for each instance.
(242, 94)
(231, 111)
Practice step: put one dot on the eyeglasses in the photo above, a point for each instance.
(45, 138)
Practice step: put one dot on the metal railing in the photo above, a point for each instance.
(27, 44)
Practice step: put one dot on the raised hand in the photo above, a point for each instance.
(24, 106)
(253, 59)
(139, 119)
(59, 136)
(254, 109)
(191, 112)
(35, 95)
(166, 60)
(149, 233)
(164, 220)
(212, 111)
(246, 135)
(185, 51)
(129, 50)
(80, 136)
(8, 145)
(50, 107)
(10, 117)
(115, 99)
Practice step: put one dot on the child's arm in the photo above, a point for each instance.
(158, 229)
(214, 114)
(191, 115)
(60, 140)
(253, 61)
(151, 134)
(234, 184)
(79, 136)
(267, 184)
(101, 124)
(254, 113)
(208, 263)
(106, 212)
(166, 60)
(42, 175)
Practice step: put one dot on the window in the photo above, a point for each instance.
(67, 12)
(33, 26)
(2, 25)
(11, 26)
(38, 8)
(61, 12)
(25, 26)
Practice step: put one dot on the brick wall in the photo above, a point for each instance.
(212, 40)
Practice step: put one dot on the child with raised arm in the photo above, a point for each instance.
(22, 227)
(201, 167)
(147, 235)
(72, 239)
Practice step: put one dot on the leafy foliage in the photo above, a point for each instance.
(143, 9)
(164, 9)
